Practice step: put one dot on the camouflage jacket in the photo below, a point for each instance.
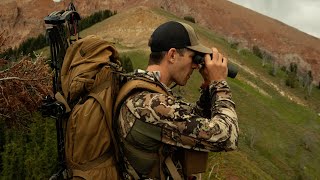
(211, 124)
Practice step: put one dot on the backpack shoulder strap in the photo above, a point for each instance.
(146, 84)
(138, 83)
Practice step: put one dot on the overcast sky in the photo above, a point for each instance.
(301, 14)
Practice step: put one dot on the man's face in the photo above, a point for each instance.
(183, 67)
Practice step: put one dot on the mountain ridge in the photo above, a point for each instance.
(132, 33)
(22, 19)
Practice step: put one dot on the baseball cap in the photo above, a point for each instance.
(178, 35)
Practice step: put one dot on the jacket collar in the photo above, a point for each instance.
(152, 75)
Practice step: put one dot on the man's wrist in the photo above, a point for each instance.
(218, 86)
(221, 83)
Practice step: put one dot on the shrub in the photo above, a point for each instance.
(273, 70)
(245, 52)
(13, 155)
(2, 142)
(292, 79)
(234, 45)
(283, 68)
(256, 51)
(189, 18)
(32, 153)
(23, 87)
(307, 79)
(126, 63)
(293, 68)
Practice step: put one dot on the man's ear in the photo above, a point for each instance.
(172, 54)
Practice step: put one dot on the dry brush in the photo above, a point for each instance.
(22, 88)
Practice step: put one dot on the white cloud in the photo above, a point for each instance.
(302, 15)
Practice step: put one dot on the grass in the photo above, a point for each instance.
(278, 138)
(139, 58)
(274, 133)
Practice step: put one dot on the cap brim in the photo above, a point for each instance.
(200, 48)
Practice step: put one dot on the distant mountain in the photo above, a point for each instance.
(279, 125)
(22, 19)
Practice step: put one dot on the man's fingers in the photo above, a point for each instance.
(214, 50)
(224, 60)
(220, 60)
(216, 58)
(215, 54)
(207, 59)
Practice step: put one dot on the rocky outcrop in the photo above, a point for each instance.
(9, 17)
(20, 20)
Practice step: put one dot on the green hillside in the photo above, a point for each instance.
(279, 139)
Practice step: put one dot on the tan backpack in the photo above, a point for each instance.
(92, 92)
(88, 87)
(91, 82)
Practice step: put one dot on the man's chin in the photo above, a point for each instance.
(182, 83)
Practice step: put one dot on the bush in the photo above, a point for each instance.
(189, 18)
(283, 68)
(245, 52)
(2, 142)
(31, 153)
(273, 71)
(293, 68)
(126, 63)
(234, 45)
(292, 79)
(256, 51)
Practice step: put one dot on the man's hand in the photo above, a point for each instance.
(215, 69)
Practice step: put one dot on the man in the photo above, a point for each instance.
(154, 127)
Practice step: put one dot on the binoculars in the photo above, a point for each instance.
(232, 69)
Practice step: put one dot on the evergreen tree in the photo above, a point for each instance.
(31, 153)
(256, 51)
(292, 79)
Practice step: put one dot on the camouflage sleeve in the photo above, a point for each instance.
(183, 127)
(203, 106)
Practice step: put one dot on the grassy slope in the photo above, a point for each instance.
(279, 139)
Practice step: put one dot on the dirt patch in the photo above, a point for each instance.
(260, 90)
(131, 28)
(269, 83)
